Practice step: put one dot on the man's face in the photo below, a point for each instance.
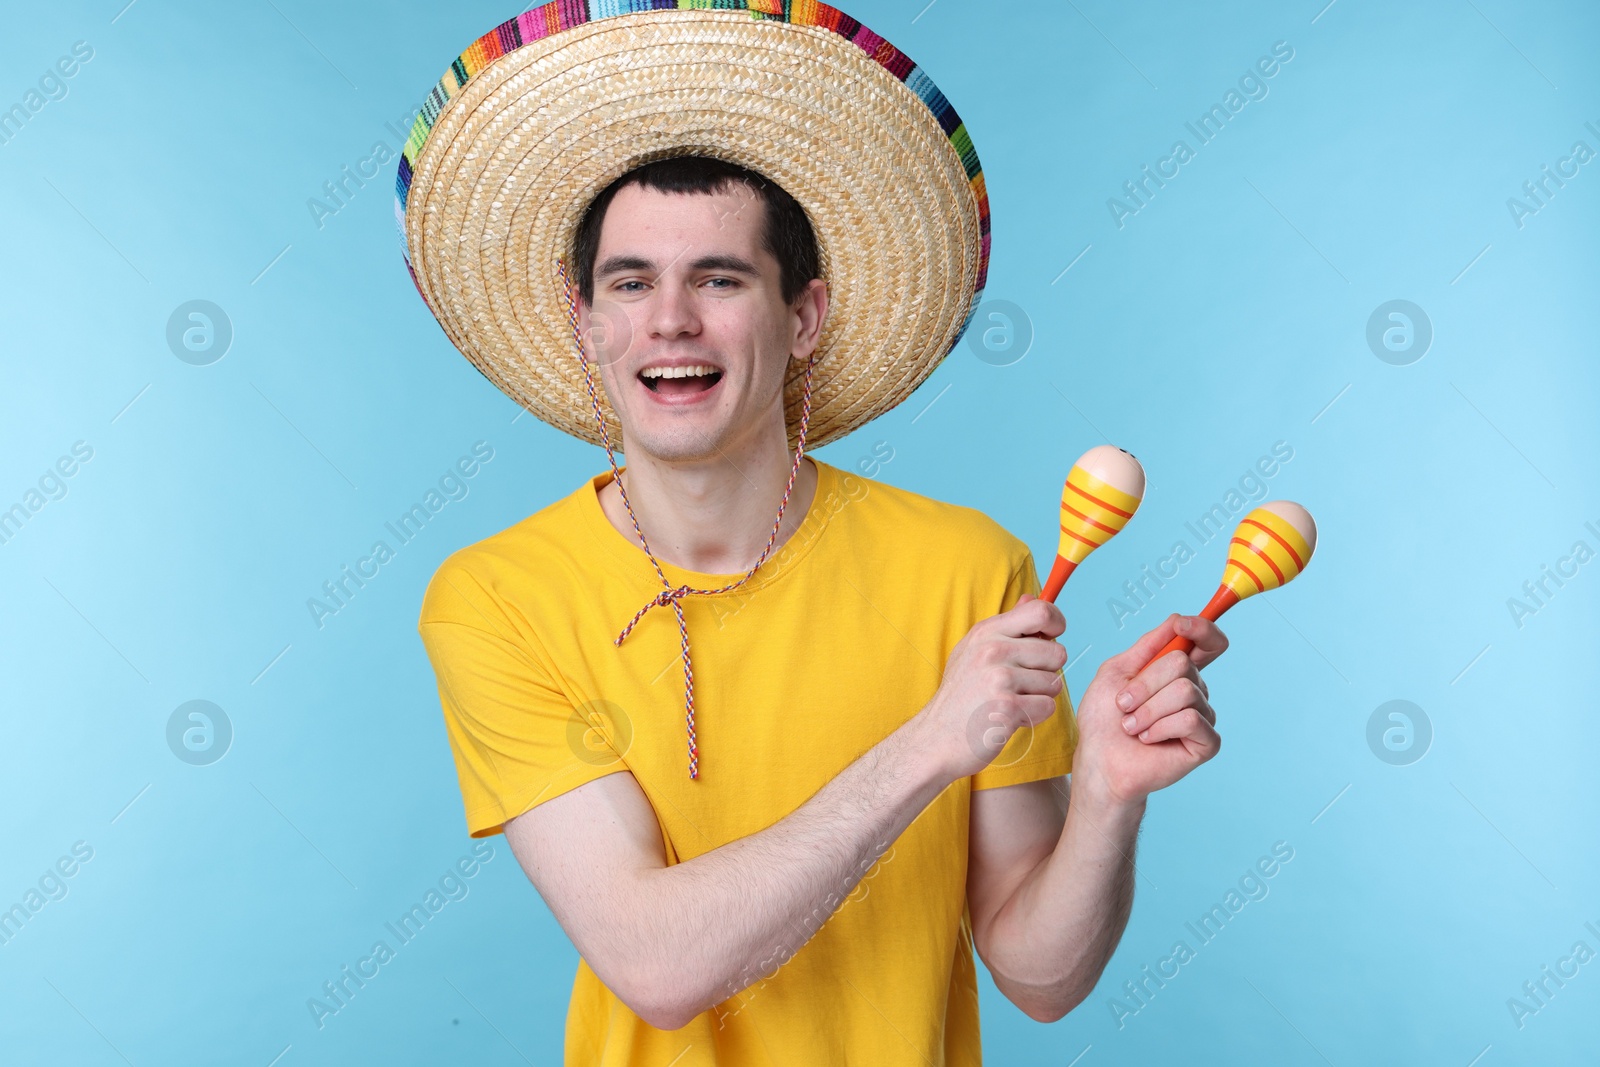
(682, 280)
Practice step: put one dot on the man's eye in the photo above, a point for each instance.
(624, 286)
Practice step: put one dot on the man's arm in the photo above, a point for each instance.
(673, 941)
(1051, 866)
(1050, 886)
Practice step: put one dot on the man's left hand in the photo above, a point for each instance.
(1143, 726)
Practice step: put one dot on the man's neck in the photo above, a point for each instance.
(713, 517)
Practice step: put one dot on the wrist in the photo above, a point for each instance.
(1095, 797)
(914, 750)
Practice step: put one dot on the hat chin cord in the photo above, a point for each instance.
(669, 594)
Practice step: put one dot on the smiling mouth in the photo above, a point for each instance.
(677, 386)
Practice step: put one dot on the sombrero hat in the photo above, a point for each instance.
(542, 113)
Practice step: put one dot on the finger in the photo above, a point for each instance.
(996, 720)
(1023, 599)
(1043, 683)
(1038, 708)
(1209, 641)
(1170, 699)
(1158, 673)
(1036, 653)
(1034, 708)
(1029, 616)
(1188, 727)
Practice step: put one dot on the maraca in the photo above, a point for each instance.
(1271, 546)
(1102, 492)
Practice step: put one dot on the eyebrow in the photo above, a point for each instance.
(718, 261)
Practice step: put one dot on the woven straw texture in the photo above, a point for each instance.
(545, 111)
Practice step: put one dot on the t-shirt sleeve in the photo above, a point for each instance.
(517, 736)
(1042, 751)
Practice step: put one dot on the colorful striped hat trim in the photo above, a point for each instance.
(558, 15)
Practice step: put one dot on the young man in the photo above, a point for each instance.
(878, 733)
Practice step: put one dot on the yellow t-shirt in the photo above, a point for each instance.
(839, 638)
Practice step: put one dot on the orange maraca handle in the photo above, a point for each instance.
(1058, 577)
(1224, 599)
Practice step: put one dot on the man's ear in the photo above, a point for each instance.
(812, 307)
(586, 326)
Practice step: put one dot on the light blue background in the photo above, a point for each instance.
(1226, 315)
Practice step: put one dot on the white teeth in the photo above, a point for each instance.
(677, 372)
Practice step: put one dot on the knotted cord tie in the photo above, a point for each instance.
(671, 595)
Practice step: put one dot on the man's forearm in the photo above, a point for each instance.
(713, 925)
(1049, 943)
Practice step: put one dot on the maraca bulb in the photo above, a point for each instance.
(1272, 545)
(1101, 493)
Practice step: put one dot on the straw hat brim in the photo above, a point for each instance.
(499, 170)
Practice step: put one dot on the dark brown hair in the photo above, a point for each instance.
(786, 235)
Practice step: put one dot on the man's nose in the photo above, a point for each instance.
(672, 308)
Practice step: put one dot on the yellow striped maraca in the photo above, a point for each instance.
(1272, 545)
(1102, 492)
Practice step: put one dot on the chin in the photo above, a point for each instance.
(682, 444)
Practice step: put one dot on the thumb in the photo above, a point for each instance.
(1021, 600)
(1142, 651)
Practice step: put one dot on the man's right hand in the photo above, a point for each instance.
(1003, 675)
